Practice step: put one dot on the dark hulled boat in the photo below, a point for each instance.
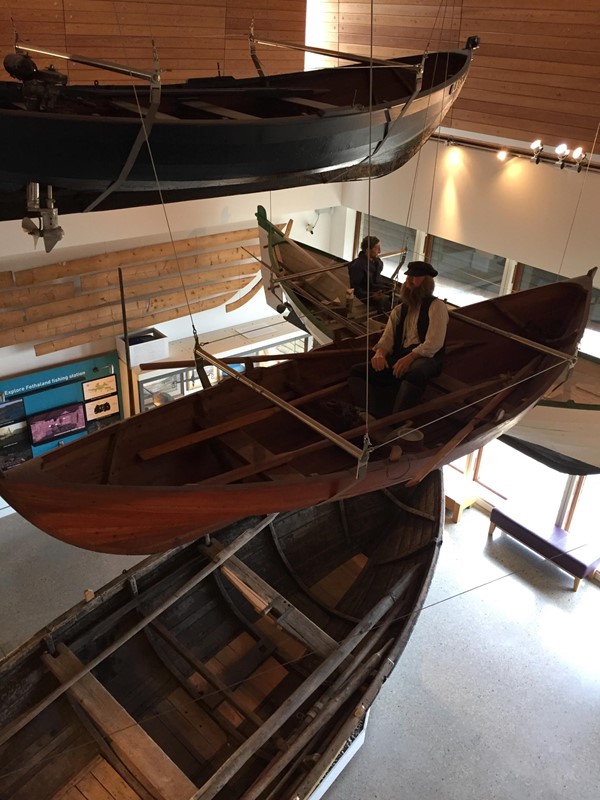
(218, 136)
(245, 682)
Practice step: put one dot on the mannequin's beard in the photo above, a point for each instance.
(413, 296)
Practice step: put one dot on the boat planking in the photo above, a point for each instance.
(244, 678)
(272, 439)
(217, 136)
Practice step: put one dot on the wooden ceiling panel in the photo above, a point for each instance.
(536, 73)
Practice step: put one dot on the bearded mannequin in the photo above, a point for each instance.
(409, 352)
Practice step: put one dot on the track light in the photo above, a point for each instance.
(579, 157)
(502, 155)
(562, 151)
(537, 148)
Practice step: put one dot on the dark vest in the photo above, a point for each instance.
(422, 327)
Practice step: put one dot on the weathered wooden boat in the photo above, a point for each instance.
(216, 136)
(268, 440)
(563, 429)
(239, 668)
(315, 285)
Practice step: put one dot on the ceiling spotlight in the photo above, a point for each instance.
(562, 151)
(502, 155)
(579, 157)
(537, 148)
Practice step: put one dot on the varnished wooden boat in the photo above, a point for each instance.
(268, 440)
(314, 284)
(224, 673)
(217, 136)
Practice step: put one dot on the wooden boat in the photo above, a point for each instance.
(217, 136)
(563, 429)
(242, 668)
(268, 440)
(314, 284)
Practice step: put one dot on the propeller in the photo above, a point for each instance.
(29, 226)
(47, 227)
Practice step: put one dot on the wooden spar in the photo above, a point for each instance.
(310, 355)
(323, 716)
(324, 431)
(153, 77)
(380, 62)
(325, 707)
(227, 770)
(226, 427)
(236, 545)
(127, 351)
(515, 337)
(265, 599)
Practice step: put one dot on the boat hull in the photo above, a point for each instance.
(269, 149)
(219, 679)
(278, 438)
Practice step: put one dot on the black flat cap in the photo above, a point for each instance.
(419, 269)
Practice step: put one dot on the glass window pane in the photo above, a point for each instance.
(585, 517)
(591, 338)
(466, 275)
(521, 480)
(533, 276)
(393, 237)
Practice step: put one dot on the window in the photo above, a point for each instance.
(520, 480)
(466, 275)
(591, 338)
(393, 238)
(584, 518)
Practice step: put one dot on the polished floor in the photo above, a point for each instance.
(496, 697)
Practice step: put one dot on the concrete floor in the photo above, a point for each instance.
(497, 695)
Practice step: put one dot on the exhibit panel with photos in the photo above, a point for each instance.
(46, 409)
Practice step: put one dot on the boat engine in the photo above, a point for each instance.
(41, 87)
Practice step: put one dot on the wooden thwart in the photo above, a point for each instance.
(264, 598)
(226, 427)
(141, 755)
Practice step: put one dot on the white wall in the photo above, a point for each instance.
(537, 214)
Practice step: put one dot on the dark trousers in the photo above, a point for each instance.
(387, 394)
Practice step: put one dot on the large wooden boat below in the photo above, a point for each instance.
(246, 679)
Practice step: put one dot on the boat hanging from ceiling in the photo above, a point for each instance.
(215, 136)
(269, 440)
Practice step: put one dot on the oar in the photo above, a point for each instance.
(309, 356)
(226, 771)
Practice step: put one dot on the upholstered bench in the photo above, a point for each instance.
(568, 551)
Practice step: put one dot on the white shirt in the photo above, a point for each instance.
(436, 332)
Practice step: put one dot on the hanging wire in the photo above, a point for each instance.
(579, 196)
